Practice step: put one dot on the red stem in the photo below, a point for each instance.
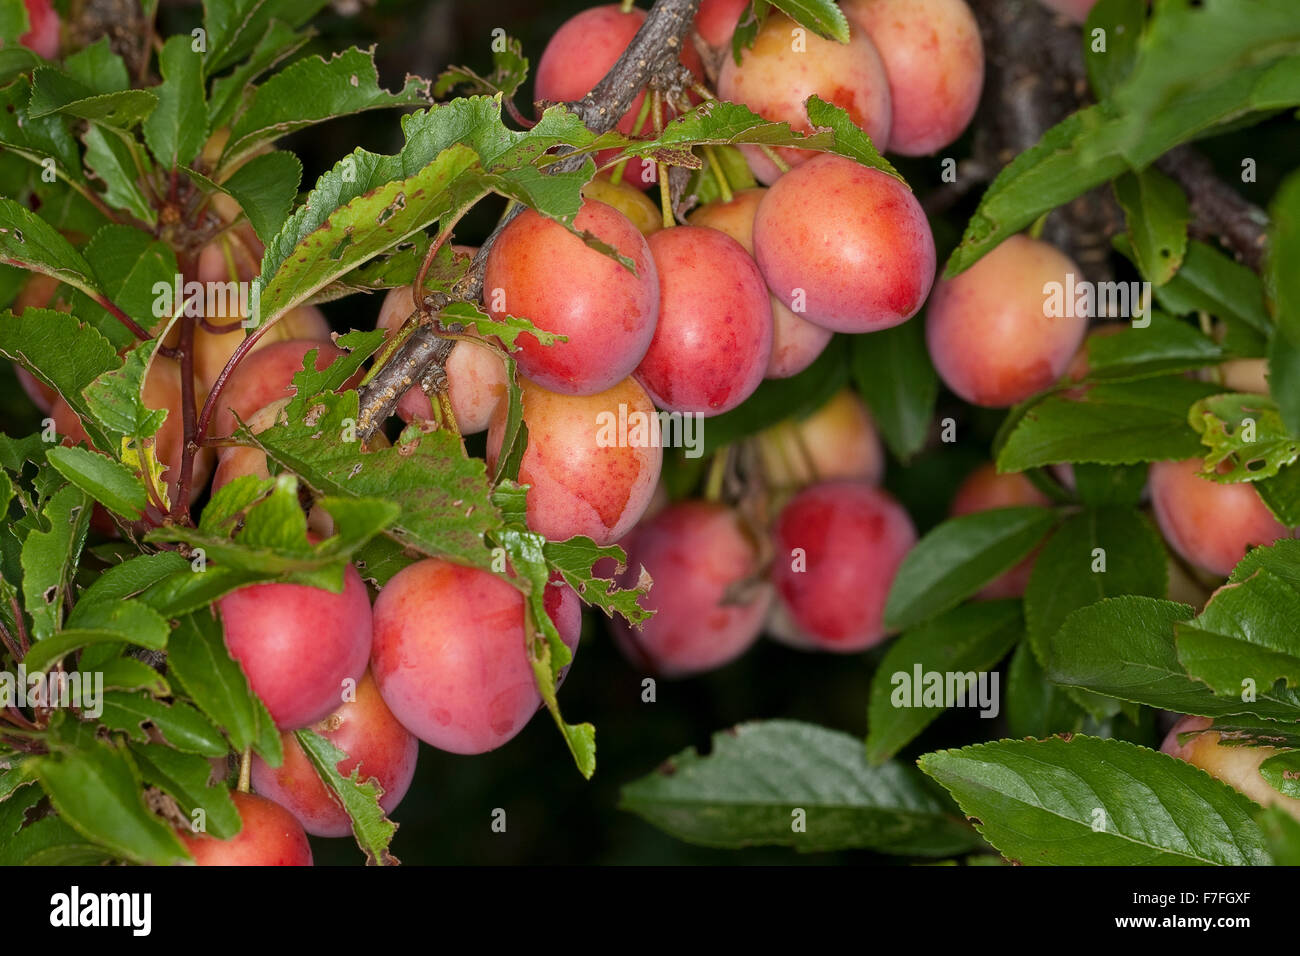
(181, 506)
(122, 317)
(209, 406)
(21, 624)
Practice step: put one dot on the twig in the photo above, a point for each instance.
(654, 52)
(181, 506)
(1217, 209)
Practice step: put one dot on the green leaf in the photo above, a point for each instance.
(574, 558)
(514, 435)
(1119, 424)
(95, 789)
(98, 67)
(1246, 637)
(109, 157)
(371, 826)
(1110, 485)
(27, 241)
(180, 725)
(57, 93)
(116, 400)
(1155, 208)
(1035, 707)
(1244, 432)
(235, 29)
(275, 45)
(1282, 834)
(509, 70)
(185, 778)
(46, 840)
(101, 624)
(50, 557)
(131, 577)
(265, 188)
(964, 644)
(1122, 21)
(176, 130)
(893, 372)
(750, 788)
(1282, 495)
(1164, 346)
(1099, 143)
(1284, 292)
(1211, 282)
(443, 496)
(1124, 648)
(1282, 771)
(1066, 577)
(197, 657)
(36, 139)
(62, 353)
(959, 557)
(821, 16)
(131, 264)
(108, 482)
(547, 652)
(1088, 802)
(313, 90)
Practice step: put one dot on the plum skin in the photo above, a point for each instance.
(538, 270)
(852, 537)
(713, 341)
(270, 836)
(578, 487)
(364, 729)
(1210, 524)
(695, 551)
(450, 658)
(988, 331)
(860, 258)
(1235, 765)
(297, 644)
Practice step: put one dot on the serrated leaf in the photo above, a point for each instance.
(1163, 346)
(109, 157)
(509, 70)
(125, 621)
(265, 188)
(968, 641)
(1089, 801)
(1122, 21)
(185, 778)
(46, 841)
(443, 496)
(108, 482)
(1284, 292)
(1245, 636)
(96, 791)
(176, 129)
(50, 557)
(1281, 494)
(276, 44)
(892, 370)
(1210, 281)
(36, 139)
(197, 657)
(746, 790)
(312, 90)
(1281, 834)
(236, 28)
(959, 557)
(1119, 424)
(98, 67)
(370, 825)
(180, 725)
(1066, 575)
(1245, 433)
(1155, 208)
(55, 92)
(27, 241)
(1124, 648)
(129, 263)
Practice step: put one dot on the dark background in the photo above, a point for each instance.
(553, 815)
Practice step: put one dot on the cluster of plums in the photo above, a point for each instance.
(752, 288)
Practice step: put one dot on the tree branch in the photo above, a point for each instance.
(1217, 209)
(652, 56)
